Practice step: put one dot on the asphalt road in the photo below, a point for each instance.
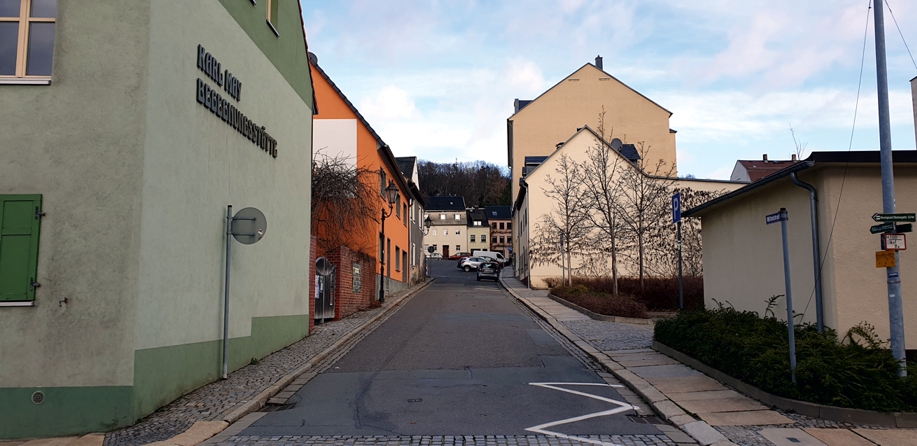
(460, 358)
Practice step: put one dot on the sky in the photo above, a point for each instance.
(436, 79)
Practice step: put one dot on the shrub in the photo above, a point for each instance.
(856, 372)
(601, 303)
(659, 294)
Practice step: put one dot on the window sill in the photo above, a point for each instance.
(30, 303)
(24, 81)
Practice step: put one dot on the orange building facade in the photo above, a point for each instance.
(339, 130)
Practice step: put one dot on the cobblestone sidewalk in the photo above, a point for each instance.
(216, 400)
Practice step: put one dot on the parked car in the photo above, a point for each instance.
(492, 254)
(435, 256)
(460, 260)
(459, 255)
(471, 263)
(489, 270)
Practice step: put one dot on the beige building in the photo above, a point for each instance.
(121, 153)
(501, 229)
(533, 204)
(743, 256)
(538, 126)
(448, 233)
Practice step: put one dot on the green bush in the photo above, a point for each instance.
(856, 372)
(601, 303)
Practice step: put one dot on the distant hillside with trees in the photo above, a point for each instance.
(481, 183)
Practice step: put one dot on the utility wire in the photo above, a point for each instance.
(821, 265)
(901, 34)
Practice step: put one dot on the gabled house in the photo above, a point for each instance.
(447, 234)
(538, 126)
(340, 130)
(501, 228)
(416, 203)
(749, 171)
(537, 240)
(830, 198)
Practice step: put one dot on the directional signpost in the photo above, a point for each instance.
(894, 217)
(884, 227)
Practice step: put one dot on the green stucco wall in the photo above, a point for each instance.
(65, 411)
(286, 52)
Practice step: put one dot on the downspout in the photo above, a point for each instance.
(816, 250)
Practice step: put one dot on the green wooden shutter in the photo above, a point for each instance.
(19, 223)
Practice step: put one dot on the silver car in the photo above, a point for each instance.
(471, 263)
(489, 270)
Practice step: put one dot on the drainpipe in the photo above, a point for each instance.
(813, 204)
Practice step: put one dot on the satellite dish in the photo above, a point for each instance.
(323, 266)
(248, 226)
(616, 144)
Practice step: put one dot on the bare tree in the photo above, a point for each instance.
(662, 252)
(644, 202)
(603, 193)
(800, 148)
(567, 221)
(345, 202)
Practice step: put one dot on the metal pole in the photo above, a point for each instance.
(681, 277)
(382, 261)
(895, 306)
(226, 291)
(789, 294)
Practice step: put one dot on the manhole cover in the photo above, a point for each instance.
(649, 419)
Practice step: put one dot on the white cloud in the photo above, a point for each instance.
(390, 103)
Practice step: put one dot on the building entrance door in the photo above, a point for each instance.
(445, 251)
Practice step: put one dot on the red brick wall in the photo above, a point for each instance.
(346, 302)
(311, 274)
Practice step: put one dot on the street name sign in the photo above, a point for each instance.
(774, 218)
(904, 228)
(884, 227)
(885, 259)
(894, 242)
(894, 217)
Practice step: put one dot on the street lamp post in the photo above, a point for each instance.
(426, 229)
(391, 195)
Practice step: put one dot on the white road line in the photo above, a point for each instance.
(542, 428)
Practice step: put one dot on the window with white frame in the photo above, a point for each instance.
(458, 217)
(27, 30)
(445, 232)
(471, 238)
(442, 216)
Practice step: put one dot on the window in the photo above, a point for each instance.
(398, 210)
(357, 278)
(509, 240)
(477, 223)
(445, 232)
(483, 238)
(501, 225)
(434, 248)
(442, 216)
(509, 225)
(471, 238)
(382, 184)
(27, 40)
(413, 254)
(458, 231)
(458, 248)
(458, 217)
(434, 232)
(19, 225)
(397, 258)
(493, 225)
(502, 239)
(272, 15)
(404, 213)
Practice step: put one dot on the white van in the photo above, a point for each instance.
(494, 255)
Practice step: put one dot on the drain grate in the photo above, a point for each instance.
(276, 407)
(648, 419)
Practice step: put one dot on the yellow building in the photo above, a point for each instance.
(479, 234)
(743, 256)
(538, 126)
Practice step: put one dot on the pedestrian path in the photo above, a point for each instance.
(710, 412)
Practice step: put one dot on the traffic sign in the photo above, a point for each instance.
(894, 217)
(884, 227)
(894, 242)
(885, 259)
(676, 207)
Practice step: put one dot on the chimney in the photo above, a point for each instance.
(557, 146)
(765, 157)
(914, 102)
(793, 157)
(598, 63)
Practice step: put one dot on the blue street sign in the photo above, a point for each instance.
(676, 207)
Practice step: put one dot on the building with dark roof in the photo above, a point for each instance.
(501, 228)
(748, 171)
(448, 232)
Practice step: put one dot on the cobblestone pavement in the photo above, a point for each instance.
(217, 399)
(445, 440)
(606, 336)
